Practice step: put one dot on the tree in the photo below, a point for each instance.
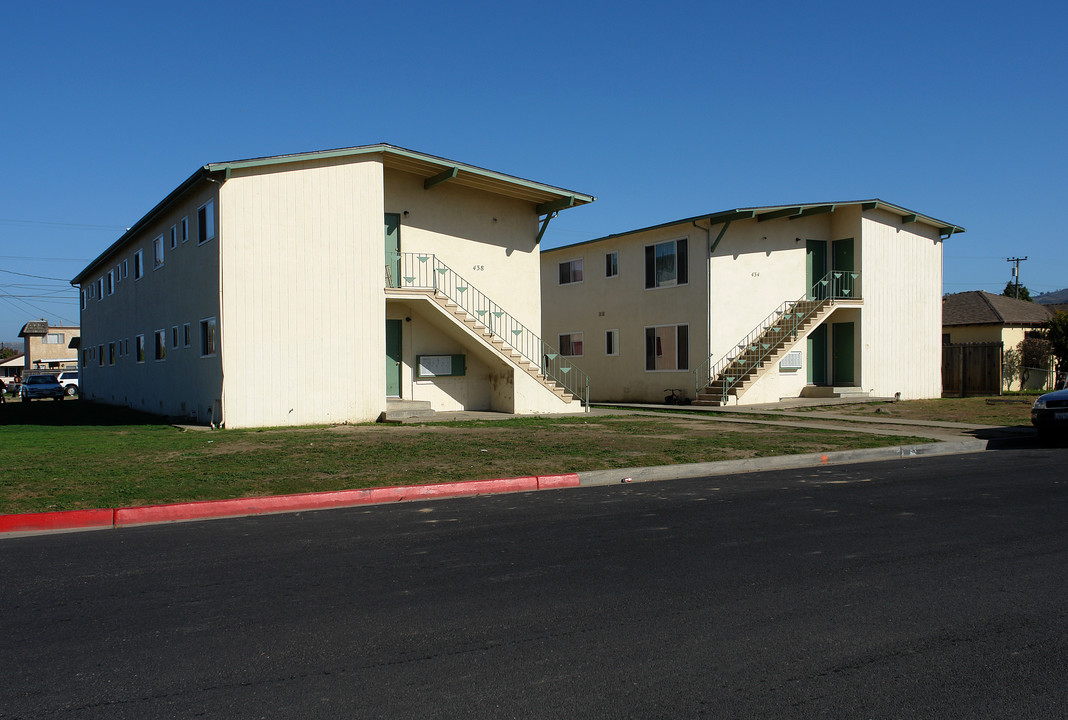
(1057, 334)
(1034, 355)
(1010, 291)
(1010, 366)
(6, 352)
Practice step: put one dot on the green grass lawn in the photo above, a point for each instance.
(70, 455)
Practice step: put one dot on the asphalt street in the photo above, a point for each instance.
(923, 587)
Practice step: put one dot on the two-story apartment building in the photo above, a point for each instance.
(314, 288)
(755, 304)
(46, 347)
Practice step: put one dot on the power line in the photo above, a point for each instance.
(59, 224)
(39, 277)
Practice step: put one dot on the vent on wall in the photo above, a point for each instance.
(791, 361)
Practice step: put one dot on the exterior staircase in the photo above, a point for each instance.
(739, 369)
(424, 274)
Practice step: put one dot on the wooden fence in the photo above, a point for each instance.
(971, 369)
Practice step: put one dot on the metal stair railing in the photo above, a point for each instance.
(773, 331)
(423, 271)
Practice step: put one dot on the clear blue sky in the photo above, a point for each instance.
(662, 110)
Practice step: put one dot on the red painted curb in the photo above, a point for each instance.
(62, 520)
(550, 482)
(83, 519)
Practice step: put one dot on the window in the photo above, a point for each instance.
(100, 289)
(206, 222)
(139, 348)
(665, 264)
(174, 336)
(139, 264)
(85, 357)
(185, 229)
(571, 272)
(157, 252)
(186, 339)
(124, 269)
(571, 344)
(611, 264)
(611, 342)
(100, 355)
(52, 339)
(85, 296)
(174, 236)
(161, 345)
(207, 337)
(667, 347)
(111, 353)
(111, 282)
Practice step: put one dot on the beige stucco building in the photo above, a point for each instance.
(319, 287)
(754, 305)
(45, 347)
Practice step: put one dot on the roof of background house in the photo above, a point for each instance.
(34, 327)
(982, 308)
(434, 170)
(772, 212)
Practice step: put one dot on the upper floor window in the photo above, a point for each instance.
(111, 282)
(174, 236)
(139, 348)
(206, 222)
(157, 252)
(139, 264)
(100, 289)
(665, 264)
(611, 264)
(185, 229)
(571, 272)
(161, 345)
(207, 337)
(53, 339)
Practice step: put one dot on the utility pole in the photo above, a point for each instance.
(1016, 274)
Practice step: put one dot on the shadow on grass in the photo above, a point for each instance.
(73, 413)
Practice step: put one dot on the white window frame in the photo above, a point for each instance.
(174, 337)
(157, 253)
(100, 355)
(139, 348)
(185, 229)
(686, 355)
(208, 209)
(124, 269)
(611, 264)
(571, 343)
(657, 285)
(100, 288)
(204, 325)
(111, 282)
(174, 236)
(615, 344)
(139, 264)
(187, 339)
(571, 271)
(159, 345)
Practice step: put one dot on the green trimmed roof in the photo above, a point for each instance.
(772, 212)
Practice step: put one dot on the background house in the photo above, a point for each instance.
(385, 274)
(755, 304)
(45, 347)
(978, 317)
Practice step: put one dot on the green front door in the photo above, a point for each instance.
(842, 350)
(842, 251)
(816, 265)
(817, 356)
(393, 264)
(393, 358)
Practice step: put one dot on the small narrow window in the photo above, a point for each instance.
(174, 236)
(100, 355)
(611, 342)
(161, 345)
(571, 344)
(207, 337)
(111, 282)
(139, 348)
(185, 229)
(124, 269)
(186, 339)
(85, 296)
(111, 353)
(100, 289)
(157, 252)
(206, 222)
(139, 264)
(174, 336)
(611, 264)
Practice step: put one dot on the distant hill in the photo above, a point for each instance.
(1052, 298)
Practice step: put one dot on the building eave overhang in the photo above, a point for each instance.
(786, 212)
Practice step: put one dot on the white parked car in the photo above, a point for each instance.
(69, 381)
